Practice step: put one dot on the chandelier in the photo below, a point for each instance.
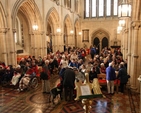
(124, 9)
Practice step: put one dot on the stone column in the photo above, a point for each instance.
(10, 42)
(129, 51)
(125, 43)
(71, 40)
(32, 51)
(61, 42)
(37, 46)
(134, 72)
(54, 40)
(3, 50)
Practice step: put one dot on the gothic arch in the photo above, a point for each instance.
(30, 11)
(68, 23)
(77, 25)
(77, 29)
(52, 19)
(2, 17)
(103, 37)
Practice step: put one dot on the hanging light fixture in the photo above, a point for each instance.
(71, 32)
(124, 9)
(35, 26)
(119, 29)
(122, 23)
(58, 30)
(80, 33)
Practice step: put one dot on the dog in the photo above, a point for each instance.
(56, 93)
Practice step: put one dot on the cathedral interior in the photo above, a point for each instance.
(33, 27)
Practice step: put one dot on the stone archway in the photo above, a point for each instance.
(52, 22)
(100, 38)
(28, 41)
(77, 30)
(68, 32)
(3, 30)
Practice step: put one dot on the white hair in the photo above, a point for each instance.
(47, 61)
(110, 64)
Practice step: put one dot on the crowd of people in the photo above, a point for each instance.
(66, 64)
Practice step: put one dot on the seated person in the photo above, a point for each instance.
(92, 74)
(16, 76)
(23, 84)
(102, 68)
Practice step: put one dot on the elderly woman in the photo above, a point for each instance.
(16, 76)
(44, 76)
(102, 68)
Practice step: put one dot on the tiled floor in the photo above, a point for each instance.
(34, 101)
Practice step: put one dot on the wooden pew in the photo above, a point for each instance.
(102, 81)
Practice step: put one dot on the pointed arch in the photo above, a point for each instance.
(77, 29)
(29, 10)
(77, 24)
(52, 19)
(68, 23)
(103, 37)
(100, 30)
(3, 23)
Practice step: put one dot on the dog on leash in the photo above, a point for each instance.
(56, 93)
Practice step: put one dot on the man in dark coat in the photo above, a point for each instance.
(68, 82)
(123, 76)
(110, 77)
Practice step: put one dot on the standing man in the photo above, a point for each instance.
(92, 51)
(123, 76)
(110, 77)
(68, 83)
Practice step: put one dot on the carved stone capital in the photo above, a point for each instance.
(126, 30)
(136, 25)
(14, 30)
(128, 54)
(37, 32)
(135, 55)
(3, 30)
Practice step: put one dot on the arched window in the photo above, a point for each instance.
(67, 3)
(105, 42)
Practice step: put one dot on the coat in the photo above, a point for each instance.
(68, 78)
(122, 75)
(110, 73)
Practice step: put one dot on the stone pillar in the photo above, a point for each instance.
(32, 51)
(134, 72)
(129, 51)
(61, 42)
(10, 42)
(37, 46)
(54, 42)
(3, 50)
(71, 40)
(125, 43)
